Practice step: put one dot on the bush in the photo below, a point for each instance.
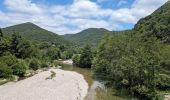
(145, 93)
(5, 71)
(163, 81)
(76, 59)
(44, 64)
(34, 64)
(53, 53)
(86, 57)
(19, 69)
(9, 60)
(63, 56)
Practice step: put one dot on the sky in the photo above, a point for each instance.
(72, 16)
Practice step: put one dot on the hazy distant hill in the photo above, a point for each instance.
(90, 36)
(33, 32)
(157, 23)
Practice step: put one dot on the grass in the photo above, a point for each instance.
(53, 74)
(3, 81)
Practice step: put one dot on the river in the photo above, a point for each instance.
(97, 89)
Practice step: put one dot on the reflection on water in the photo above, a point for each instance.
(97, 90)
(92, 90)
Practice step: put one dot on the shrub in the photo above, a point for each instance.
(63, 56)
(86, 57)
(163, 81)
(53, 53)
(19, 69)
(9, 59)
(5, 71)
(44, 64)
(34, 64)
(76, 59)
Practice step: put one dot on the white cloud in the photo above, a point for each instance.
(24, 6)
(122, 2)
(139, 9)
(79, 15)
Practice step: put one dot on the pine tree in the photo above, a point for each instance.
(16, 39)
(1, 34)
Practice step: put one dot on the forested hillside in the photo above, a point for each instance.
(20, 57)
(91, 36)
(33, 32)
(157, 23)
(137, 60)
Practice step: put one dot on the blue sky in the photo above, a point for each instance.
(72, 16)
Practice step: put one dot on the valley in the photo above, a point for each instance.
(92, 64)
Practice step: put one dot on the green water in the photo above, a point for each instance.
(97, 90)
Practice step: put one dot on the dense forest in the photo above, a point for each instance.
(90, 36)
(19, 56)
(35, 33)
(137, 60)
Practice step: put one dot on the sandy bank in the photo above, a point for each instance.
(69, 62)
(66, 85)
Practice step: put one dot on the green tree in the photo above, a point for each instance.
(15, 41)
(53, 53)
(5, 71)
(19, 69)
(21, 47)
(4, 43)
(76, 59)
(133, 62)
(1, 34)
(34, 64)
(25, 49)
(9, 59)
(86, 57)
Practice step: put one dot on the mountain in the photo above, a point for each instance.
(33, 32)
(90, 36)
(158, 23)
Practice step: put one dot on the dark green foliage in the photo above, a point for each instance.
(19, 69)
(67, 54)
(53, 53)
(44, 64)
(76, 59)
(1, 34)
(138, 61)
(15, 50)
(90, 36)
(5, 71)
(86, 57)
(9, 59)
(34, 64)
(15, 41)
(44, 45)
(25, 50)
(21, 47)
(4, 45)
(157, 24)
(34, 33)
(128, 61)
(163, 81)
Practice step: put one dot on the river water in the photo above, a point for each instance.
(97, 90)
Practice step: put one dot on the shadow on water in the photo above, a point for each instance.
(97, 90)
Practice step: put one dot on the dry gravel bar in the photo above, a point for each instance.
(66, 85)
